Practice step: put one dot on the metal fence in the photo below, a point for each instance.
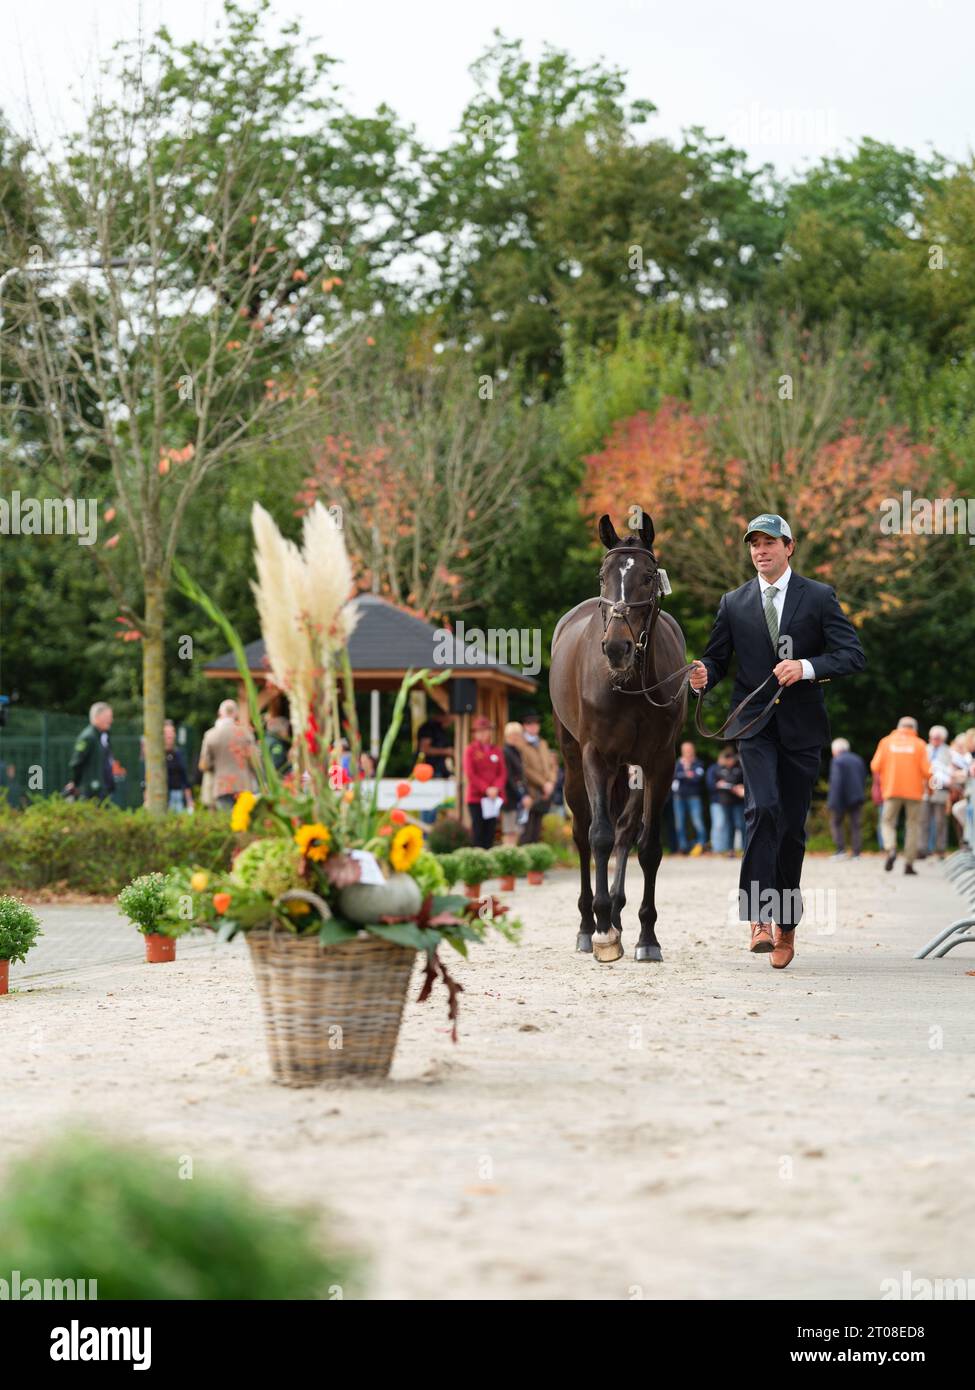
(36, 748)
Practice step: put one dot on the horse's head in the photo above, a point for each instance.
(628, 587)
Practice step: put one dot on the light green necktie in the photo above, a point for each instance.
(771, 619)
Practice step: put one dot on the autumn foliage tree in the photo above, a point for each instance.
(786, 425)
(423, 460)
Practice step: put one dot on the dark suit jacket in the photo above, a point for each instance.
(820, 632)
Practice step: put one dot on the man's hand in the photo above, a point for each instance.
(527, 802)
(549, 787)
(698, 676)
(493, 791)
(788, 672)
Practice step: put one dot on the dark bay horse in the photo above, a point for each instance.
(619, 744)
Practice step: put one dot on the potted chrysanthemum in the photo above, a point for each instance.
(336, 896)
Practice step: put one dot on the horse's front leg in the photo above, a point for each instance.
(650, 850)
(627, 829)
(606, 945)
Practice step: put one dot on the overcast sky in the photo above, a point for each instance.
(788, 82)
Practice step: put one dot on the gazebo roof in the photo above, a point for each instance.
(390, 640)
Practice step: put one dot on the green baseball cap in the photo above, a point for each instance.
(771, 524)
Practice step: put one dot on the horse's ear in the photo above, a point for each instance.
(607, 533)
(647, 531)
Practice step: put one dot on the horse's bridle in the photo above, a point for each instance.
(641, 645)
(619, 609)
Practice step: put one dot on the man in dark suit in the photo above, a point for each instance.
(783, 623)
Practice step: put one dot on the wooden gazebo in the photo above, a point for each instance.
(387, 642)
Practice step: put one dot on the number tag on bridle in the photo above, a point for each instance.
(664, 582)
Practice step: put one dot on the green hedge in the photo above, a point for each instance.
(94, 848)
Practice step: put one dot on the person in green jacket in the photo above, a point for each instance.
(279, 741)
(90, 768)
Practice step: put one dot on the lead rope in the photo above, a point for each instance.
(684, 671)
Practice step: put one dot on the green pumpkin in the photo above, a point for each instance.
(399, 896)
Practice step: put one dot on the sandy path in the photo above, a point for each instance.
(705, 1128)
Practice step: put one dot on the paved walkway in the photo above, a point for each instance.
(77, 937)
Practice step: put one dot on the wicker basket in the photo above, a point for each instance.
(332, 1013)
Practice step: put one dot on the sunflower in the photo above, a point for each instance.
(240, 816)
(406, 846)
(313, 840)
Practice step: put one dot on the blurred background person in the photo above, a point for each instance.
(541, 767)
(486, 781)
(435, 741)
(847, 790)
(726, 791)
(901, 760)
(688, 787)
(278, 740)
(933, 829)
(517, 800)
(91, 770)
(177, 776)
(229, 753)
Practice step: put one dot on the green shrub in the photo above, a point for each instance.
(428, 871)
(449, 867)
(448, 835)
(541, 857)
(19, 929)
(98, 848)
(127, 1219)
(509, 861)
(557, 832)
(474, 865)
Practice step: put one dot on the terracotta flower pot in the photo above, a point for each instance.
(535, 876)
(473, 890)
(508, 883)
(4, 976)
(159, 948)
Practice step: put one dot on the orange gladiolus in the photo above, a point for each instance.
(397, 816)
(403, 789)
(422, 772)
(221, 901)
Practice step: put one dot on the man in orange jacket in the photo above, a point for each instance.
(902, 761)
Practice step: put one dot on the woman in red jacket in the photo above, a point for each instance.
(484, 773)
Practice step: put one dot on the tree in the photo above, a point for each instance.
(786, 427)
(137, 381)
(424, 461)
(553, 215)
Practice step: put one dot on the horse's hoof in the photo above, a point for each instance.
(651, 953)
(584, 942)
(607, 946)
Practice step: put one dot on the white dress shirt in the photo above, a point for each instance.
(781, 584)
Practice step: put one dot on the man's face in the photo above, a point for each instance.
(769, 553)
(104, 720)
(935, 738)
(532, 728)
(169, 736)
(687, 750)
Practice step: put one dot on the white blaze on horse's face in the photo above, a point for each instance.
(627, 565)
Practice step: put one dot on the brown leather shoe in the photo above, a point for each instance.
(784, 948)
(761, 938)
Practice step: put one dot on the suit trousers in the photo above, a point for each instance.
(778, 793)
